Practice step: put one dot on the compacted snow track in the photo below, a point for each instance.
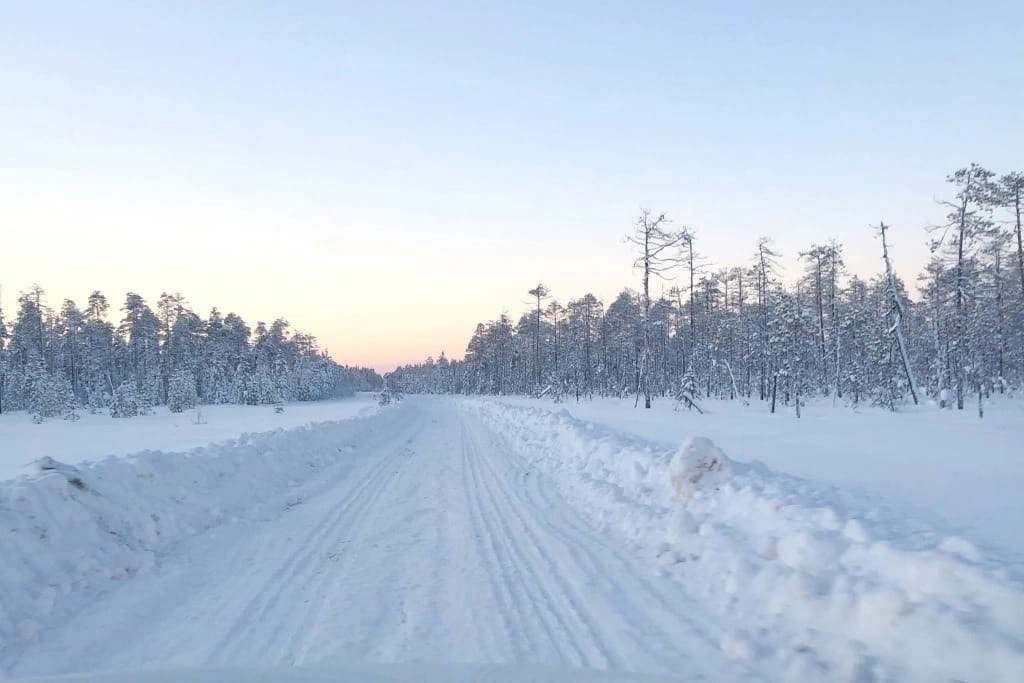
(433, 543)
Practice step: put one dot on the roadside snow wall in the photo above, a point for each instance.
(822, 584)
(69, 533)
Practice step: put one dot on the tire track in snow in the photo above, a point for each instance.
(553, 611)
(340, 528)
(486, 536)
(652, 628)
(362, 507)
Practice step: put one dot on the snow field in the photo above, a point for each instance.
(97, 435)
(820, 585)
(71, 533)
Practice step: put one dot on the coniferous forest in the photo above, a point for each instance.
(740, 332)
(55, 362)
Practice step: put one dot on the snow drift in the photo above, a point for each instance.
(823, 585)
(70, 533)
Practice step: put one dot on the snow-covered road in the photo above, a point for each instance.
(437, 545)
(444, 530)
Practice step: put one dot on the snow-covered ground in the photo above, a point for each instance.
(96, 436)
(963, 472)
(383, 673)
(504, 532)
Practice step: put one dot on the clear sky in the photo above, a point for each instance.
(385, 175)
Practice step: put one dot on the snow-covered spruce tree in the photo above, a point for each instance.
(126, 401)
(687, 390)
(49, 395)
(225, 362)
(181, 391)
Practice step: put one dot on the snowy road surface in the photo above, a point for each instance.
(455, 531)
(438, 547)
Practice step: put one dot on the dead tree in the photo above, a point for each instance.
(896, 313)
(659, 253)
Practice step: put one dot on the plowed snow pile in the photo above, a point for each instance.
(71, 533)
(822, 585)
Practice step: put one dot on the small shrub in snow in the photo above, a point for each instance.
(698, 464)
(686, 392)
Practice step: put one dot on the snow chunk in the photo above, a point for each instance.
(681, 526)
(698, 465)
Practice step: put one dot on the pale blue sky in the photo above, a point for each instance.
(388, 174)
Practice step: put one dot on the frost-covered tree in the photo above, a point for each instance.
(49, 395)
(124, 368)
(969, 223)
(745, 331)
(127, 401)
(4, 336)
(181, 391)
(659, 252)
(140, 331)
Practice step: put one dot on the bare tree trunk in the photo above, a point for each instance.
(1000, 336)
(836, 330)
(693, 308)
(958, 352)
(647, 318)
(1020, 241)
(897, 308)
(819, 302)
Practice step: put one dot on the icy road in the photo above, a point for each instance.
(444, 531)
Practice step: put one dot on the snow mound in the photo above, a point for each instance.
(825, 586)
(698, 465)
(70, 533)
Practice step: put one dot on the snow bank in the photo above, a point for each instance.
(74, 532)
(824, 586)
(962, 471)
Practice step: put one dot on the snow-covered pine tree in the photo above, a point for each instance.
(969, 223)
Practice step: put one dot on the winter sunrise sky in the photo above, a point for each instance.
(385, 175)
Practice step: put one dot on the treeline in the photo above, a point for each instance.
(741, 333)
(53, 362)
